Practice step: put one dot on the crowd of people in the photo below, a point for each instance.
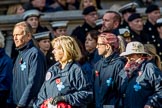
(112, 62)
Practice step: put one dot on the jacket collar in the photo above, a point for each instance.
(26, 46)
(67, 66)
(110, 58)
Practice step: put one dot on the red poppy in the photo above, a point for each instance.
(45, 103)
(97, 73)
(58, 80)
(63, 105)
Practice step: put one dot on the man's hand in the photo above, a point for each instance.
(57, 99)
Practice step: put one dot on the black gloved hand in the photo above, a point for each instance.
(57, 99)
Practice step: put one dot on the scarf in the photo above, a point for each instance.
(131, 66)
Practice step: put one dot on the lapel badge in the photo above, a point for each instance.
(48, 76)
(23, 66)
(60, 86)
(97, 73)
(20, 61)
(137, 87)
(58, 80)
(109, 82)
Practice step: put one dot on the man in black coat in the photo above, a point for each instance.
(90, 17)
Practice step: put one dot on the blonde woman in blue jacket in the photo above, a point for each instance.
(65, 81)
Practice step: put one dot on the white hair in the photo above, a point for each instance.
(2, 43)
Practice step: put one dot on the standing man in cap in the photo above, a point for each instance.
(141, 79)
(153, 13)
(90, 16)
(106, 80)
(126, 11)
(59, 28)
(43, 41)
(29, 68)
(136, 28)
(158, 43)
(33, 18)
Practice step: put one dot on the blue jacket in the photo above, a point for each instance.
(6, 67)
(106, 80)
(28, 74)
(93, 57)
(70, 82)
(88, 66)
(143, 88)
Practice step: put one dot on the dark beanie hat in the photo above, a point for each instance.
(151, 8)
(88, 10)
(134, 16)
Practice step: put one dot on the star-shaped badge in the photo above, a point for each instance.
(109, 81)
(137, 87)
(23, 66)
(60, 86)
